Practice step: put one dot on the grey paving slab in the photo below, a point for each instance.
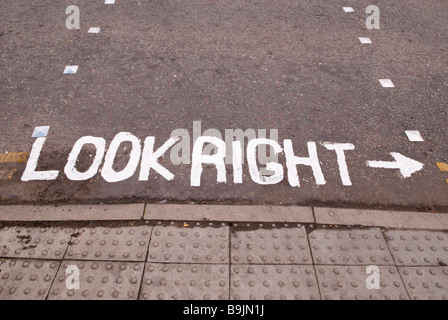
(275, 246)
(26, 279)
(349, 283)
(426, 283)
(185, 282)
(37, 243)
(278, 282)
(228, 213)
(100, 243)
(189, 245)
(350, 247)
(415, 248)
(99, 280)
(72, 212)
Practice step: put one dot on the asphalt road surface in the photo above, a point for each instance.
(297, 67)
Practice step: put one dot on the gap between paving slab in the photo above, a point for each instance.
(227, 213)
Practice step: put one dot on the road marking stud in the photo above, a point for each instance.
(414, 135)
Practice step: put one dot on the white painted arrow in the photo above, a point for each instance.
(406, 165)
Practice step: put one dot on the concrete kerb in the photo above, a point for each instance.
(380, 218)
(229, 213)
(72, 212)
(226, 213)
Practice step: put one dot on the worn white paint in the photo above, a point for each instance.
(406, 165)
(149, 158)
(292, 161)
(70, 168)
(30, 172)
(108, 172)
(198, 159)
(237, 162)
(254, 172)
(339, 148)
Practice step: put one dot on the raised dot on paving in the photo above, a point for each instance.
(364, 40)
(350, 283)
(26, 279)
(348, 9)
(273, 282)
(189, 245)
(417, 248)
(99, 280)
(277, 246)
(414, 135)
(185, 282)
(37, 243)
(426, 283)
(386, 83)
(70, 69)
(350, 247)
(94, 30)
(125, 243)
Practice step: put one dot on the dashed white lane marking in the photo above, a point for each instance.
(348, 9)
(70, 69)
(94, 30)
(41, 131)
(109, 1)
(365, 40)
(414, 135)
(386, 83)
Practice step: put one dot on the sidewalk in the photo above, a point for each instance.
(221, 252)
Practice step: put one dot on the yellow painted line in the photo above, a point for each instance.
(13, 157)
(442, 166)
(7, 174)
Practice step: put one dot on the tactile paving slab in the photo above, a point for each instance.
(275, 246)
(349, 283)
(185, 282)
(350, 247)
(37, 243)
(189, 245)
(415, 248)
(426, 283)
(26, 279)
(123, 244)
(99, 280)
(273, 282)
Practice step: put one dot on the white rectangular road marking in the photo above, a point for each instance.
(94, 30)
(414, 135)
(348, 9)
(109, 1)
(386, 83)
(70, 69)
(365, 40)
(40, 131)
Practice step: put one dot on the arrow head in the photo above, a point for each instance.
(406, 165)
